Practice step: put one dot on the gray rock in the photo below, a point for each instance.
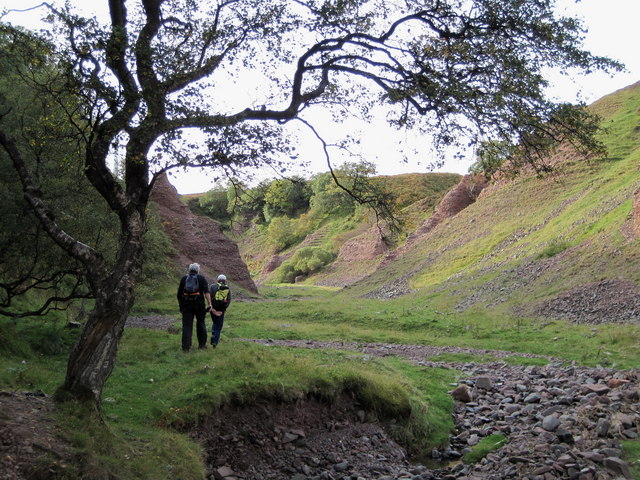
(550, 423)
(223, 472)
(484, 382)
(341, 467)
(533, 398)
(602, 427)
(618, 466)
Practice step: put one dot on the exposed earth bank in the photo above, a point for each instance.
(560, 422)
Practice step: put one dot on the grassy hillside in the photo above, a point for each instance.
(529, 242)
(416, 197)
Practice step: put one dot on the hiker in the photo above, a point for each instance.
(192, 293)
(220, 299)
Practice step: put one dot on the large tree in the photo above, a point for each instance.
(456, 70)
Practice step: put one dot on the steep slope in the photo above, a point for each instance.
(199, 239)
(539, 247)
(354, 238)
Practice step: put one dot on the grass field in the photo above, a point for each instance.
(156, 392)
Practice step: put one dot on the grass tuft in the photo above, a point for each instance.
(484, 447)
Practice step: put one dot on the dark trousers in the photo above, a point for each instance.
(189, 311)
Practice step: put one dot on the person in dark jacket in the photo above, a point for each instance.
(220, 300)
(193, 290)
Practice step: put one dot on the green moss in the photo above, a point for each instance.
(484, 447)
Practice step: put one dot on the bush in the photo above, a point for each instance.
(553, 248)
(305, 261)
(282, 233)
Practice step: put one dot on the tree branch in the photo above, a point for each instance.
(91, 259)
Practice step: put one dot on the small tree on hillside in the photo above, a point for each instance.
(247, 204)
(215, 204)
(155, 72)
(288, 197)
(491, 156)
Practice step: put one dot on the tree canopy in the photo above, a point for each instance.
(159, 70)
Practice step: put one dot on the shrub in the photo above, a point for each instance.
(282, 233)
(553, 248)
(305, 261)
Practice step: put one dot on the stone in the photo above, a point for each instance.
(550, 423)
(511, 409)
(597, 388)
(533, 398)
(617, 466)
(484, 382)
(602, 427)
(516, 459)
(616, 382)
(473, 440)
(341, 467)
(565, 436)
(223, 472)
(288, 437)
(462, 394)
(592, 456)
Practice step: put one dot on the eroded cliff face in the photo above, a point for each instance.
(366, 252)
(199, 239)
(465, 193)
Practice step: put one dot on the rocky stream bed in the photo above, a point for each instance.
(560, 422)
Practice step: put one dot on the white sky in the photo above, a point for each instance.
(612, 32)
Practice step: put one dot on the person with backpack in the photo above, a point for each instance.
(193, 290)
(220, 299)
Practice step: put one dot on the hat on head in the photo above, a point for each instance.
(222, 278)
(194, 267)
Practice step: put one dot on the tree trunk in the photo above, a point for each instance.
(93, 358)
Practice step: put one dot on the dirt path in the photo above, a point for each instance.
(414, 353)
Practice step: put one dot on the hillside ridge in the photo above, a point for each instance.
(199, 239)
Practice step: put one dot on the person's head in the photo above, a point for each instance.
(222, 279)
(194, 268)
